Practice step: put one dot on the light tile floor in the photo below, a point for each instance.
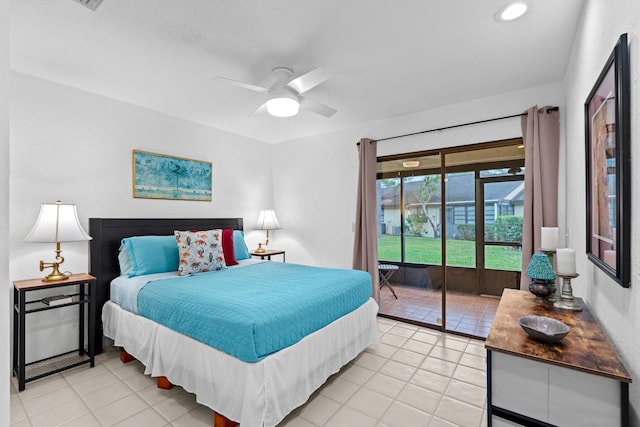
(414, 377)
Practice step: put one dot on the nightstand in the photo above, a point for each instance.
(83, 295)
(267, 254)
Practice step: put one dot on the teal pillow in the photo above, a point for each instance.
(151, 254)
(240, 249)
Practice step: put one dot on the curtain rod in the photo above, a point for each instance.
(548, 110)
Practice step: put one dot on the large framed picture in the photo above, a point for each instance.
(608, 164)
(159, 176)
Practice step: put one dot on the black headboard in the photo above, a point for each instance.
(107, 234)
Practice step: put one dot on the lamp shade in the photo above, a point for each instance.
(540, 268)
(57, 222)
(267, 220)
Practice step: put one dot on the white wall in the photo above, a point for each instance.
(616, 308)
(4, 213)
(315, 179)
(75, 146)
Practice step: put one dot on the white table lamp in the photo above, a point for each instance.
(266, 221)
(57, 222)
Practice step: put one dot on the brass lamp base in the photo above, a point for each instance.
(260, 249)
(55, 274)
(53, 277)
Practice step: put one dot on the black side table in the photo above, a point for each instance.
(85, 294)
(267, 254)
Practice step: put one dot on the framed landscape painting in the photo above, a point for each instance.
(159, 176)
(608, 166)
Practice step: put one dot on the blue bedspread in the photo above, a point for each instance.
(256, 310)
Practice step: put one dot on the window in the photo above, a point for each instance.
(389, 219)
(464, 214)
(410, 206)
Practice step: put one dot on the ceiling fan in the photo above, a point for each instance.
(283, 98)
(91, 4)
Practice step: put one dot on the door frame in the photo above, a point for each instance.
(481, 242)
(479, 218)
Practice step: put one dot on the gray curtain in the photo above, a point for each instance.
(541, 135)
(365, 247)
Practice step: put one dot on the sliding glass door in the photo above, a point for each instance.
(447, 226)
(461, 249)
(423, 241)
(409, 237)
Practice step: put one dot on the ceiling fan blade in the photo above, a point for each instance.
(316, 107)
(309, 80)
(262, 109)
(242, 84)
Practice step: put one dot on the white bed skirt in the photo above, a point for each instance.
(254, 394)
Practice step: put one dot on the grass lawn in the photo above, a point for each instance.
(460, 253)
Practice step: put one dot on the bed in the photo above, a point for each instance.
(255, 385)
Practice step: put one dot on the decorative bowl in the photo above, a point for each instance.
(544, 329)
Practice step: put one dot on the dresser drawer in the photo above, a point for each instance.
(520, 385)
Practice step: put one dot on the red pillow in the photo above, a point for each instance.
(227, 247)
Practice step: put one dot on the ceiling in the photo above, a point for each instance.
(385, 58)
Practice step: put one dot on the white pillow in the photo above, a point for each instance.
(199, 251)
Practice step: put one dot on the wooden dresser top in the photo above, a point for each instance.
(585, 348)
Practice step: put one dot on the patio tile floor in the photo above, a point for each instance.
(466, 314)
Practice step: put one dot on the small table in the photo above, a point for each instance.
(534, 384)
(386, 271)
(267, 254)
(85, 294)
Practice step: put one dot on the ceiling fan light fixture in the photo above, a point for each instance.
(284, 98)
(283, 106)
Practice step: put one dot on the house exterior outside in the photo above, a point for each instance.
(501, 198)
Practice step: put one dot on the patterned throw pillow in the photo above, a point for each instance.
(199, 251)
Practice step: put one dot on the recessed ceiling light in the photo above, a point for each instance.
(511, 11)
